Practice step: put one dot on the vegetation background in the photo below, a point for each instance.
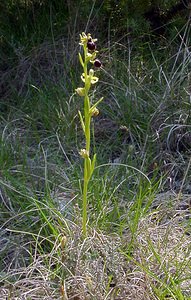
(138, 243)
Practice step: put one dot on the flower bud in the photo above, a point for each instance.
(84, 153)
(91, 72)
(80, 91)
(95, 112)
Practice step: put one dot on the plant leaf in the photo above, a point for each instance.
(88, 167)
(94, 106)
(93, 164)
(81, 120)
(81, 60)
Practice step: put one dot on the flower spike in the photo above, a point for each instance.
(88, 79)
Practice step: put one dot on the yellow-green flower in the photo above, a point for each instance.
(91, 56)
(91, 78)
(85, 38)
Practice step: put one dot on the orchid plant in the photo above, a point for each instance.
(90, 110)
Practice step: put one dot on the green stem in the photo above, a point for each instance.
(85, 190)
(87, 122)
(87, 137)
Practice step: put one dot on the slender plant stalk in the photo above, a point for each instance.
(90, 110)
(85, 191)
(86, 181)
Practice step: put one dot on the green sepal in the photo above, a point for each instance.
(81, 60)
(82, 122)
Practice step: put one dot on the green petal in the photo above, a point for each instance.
(94, 80)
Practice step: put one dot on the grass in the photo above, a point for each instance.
(138, 232)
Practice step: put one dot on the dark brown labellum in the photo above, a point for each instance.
(91, 45)
(97, 63)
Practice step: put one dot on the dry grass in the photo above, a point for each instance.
(100, 267)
